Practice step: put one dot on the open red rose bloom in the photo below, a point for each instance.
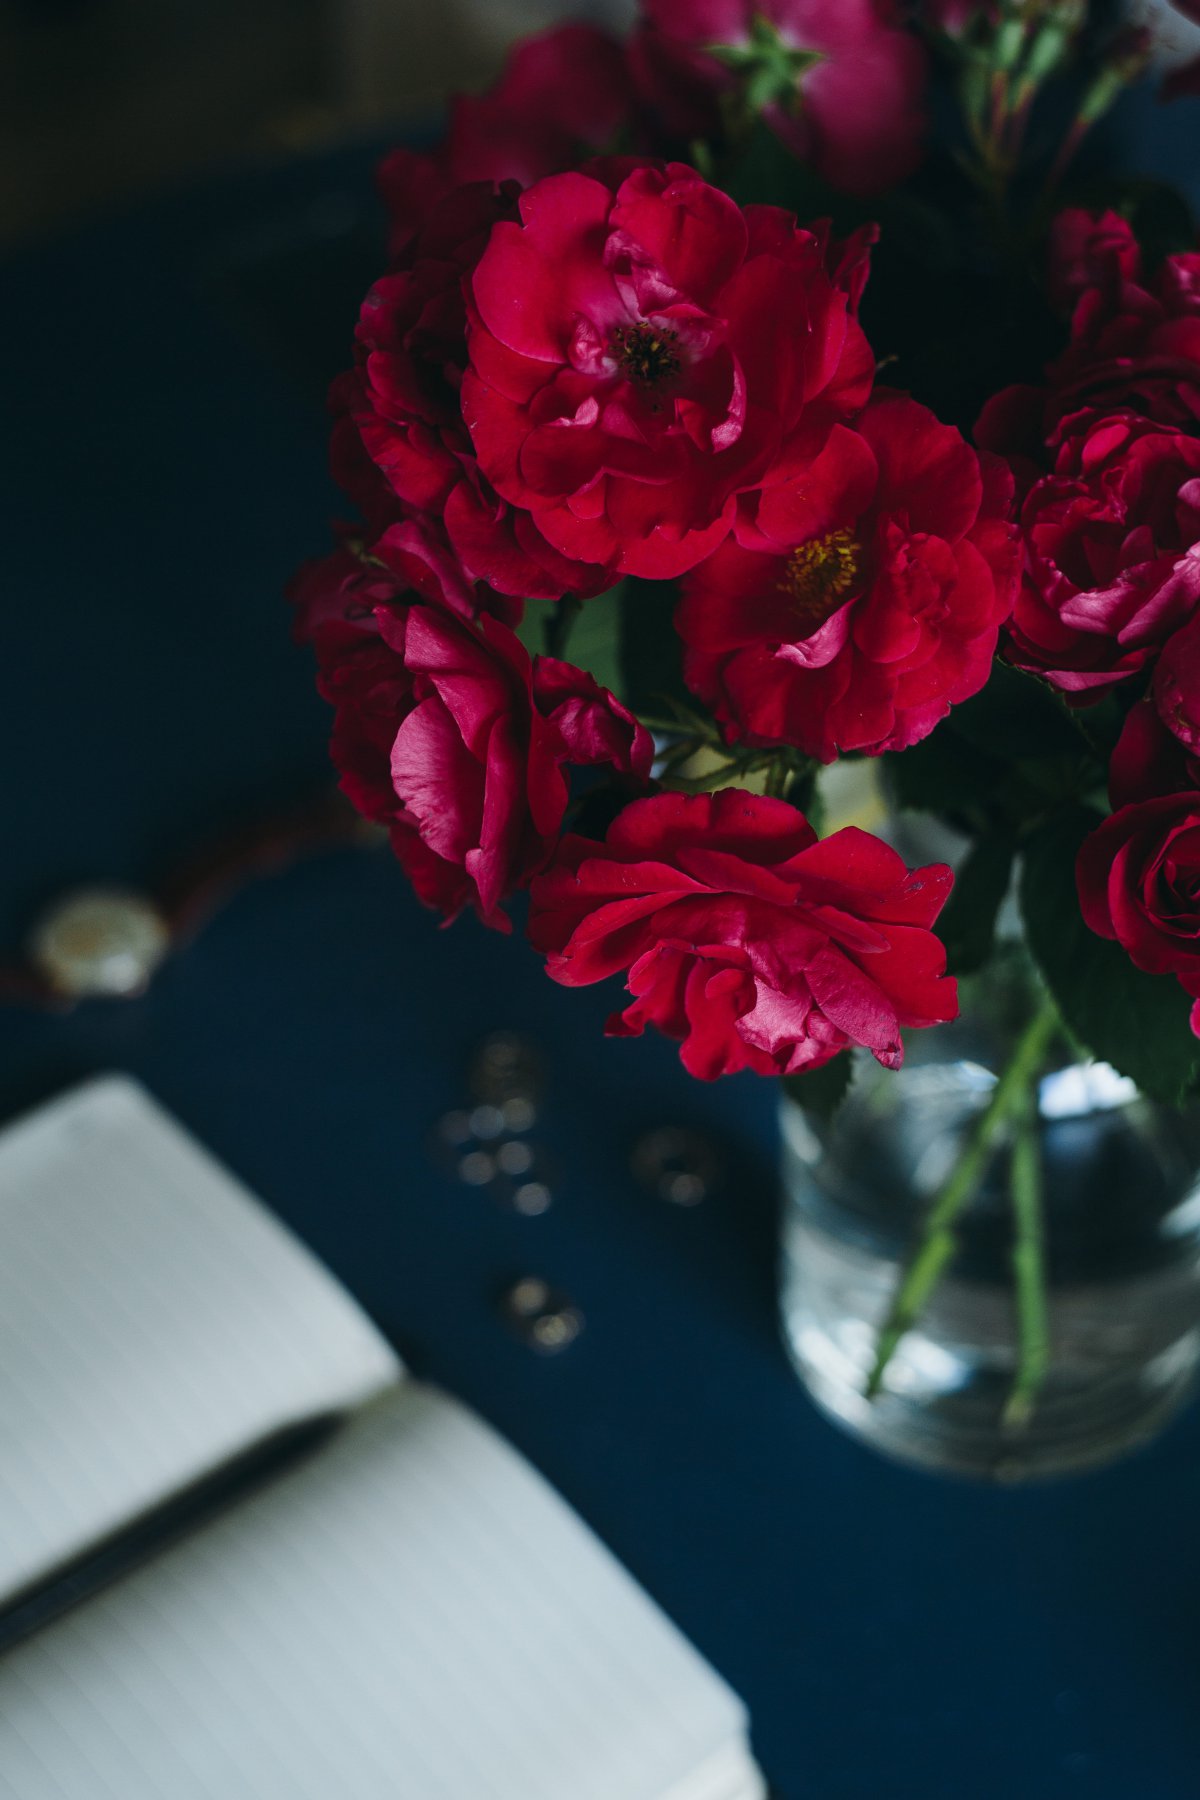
(591, 381)
(860, 599)
(642, 352)
(744, 936)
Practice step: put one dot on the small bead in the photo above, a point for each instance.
(506, 1068)
(543, 1317)
(520, 1114)
(680, 1166)
(532, 1198)
(477, 1168)
(486, 1121)
(515, 1157)
(454, 1128)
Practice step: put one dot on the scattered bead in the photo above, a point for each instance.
(454, 1128)
(532, 1198)
(676, 1165)
(505, 1068)
(514, 1157)
(484, 1144)
(541, 1316)
(477, 1168)
(486, 1121)
(520, 1114)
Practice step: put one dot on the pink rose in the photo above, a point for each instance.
(743, 937)
(847, 86)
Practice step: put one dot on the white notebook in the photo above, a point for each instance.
(403, 1610)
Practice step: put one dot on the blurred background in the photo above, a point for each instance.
(107, 99)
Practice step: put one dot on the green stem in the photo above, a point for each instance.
(779, 776)
(558, 625)
(938, 1240)
(699, 784)
(682, 723)
(681, 752)
(1029, 1274)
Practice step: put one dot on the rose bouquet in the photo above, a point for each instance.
(714, 422)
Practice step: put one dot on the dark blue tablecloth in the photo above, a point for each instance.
(895, 1636)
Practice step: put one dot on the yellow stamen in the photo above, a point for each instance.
(647, 355)
(819, 575)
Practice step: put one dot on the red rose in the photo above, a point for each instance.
(563, 95)
(741, 935)
(1091, 252)
(1112, 553)
(1012, 424)
(411, 350)
(842, 86)
(642, 350)
(343, 588)
(1149, 761)
(400, 444)
(451, 737)
(1134, 344)
(1135, 340)
(1138, 874)
(410, 556)
(861, 601)
(1177, 685)
(1139, 882)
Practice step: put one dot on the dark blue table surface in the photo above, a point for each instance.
(163, 469)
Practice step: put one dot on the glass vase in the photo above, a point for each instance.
(996, 1376)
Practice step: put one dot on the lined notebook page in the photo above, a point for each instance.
(155, 1321)
(411, 1615)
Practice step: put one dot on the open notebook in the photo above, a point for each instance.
(402, 1608)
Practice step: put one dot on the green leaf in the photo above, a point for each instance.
(595, 643)
(821, 1091)
(1136, 1022)
(943, 774)
(919, 233)
(1017, 715)
(967, 925)
(651, 655)
(1011, 753)
(532, 629)
(593, 639)
(804, 792)
(766, 173)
